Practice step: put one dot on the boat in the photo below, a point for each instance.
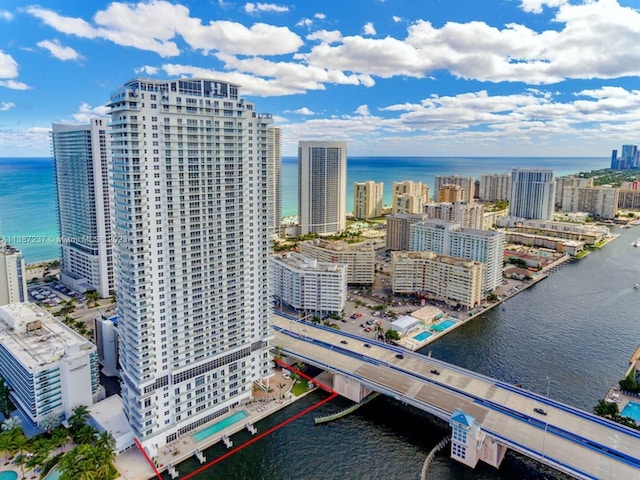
(636, 286)
(636, 243)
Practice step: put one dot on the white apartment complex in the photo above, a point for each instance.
(601, 201)
(448, 238)
(322, 187)
(274, 177)
(533, 193)
(466, 183)
(399, 229)
(80, 156)
(360, 258)
(190, 194)
(13, 280)
(469, 215)
(367, 199)
(455, 281)
(570, 181)
(50, 368)
(409, 197)
(308, 285)
(495, 187)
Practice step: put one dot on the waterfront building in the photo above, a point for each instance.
(495, 187)
(589, 234)
(80, 158)
(470, 215)
(601, 202)
(532, 193)
(13, 279)
(629, 198)
(190, 185)
(632, 185)
(322, 187)
(450, 193)
(308, 285)
(49, 368)
(367, 199)
(560, 245)
(360, 258)
(570, 181)
(398, 229)
(409, 197)
(274, 177)
(448, 238)
(466, 183)
(455, 281)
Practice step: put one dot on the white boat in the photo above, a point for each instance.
(636, 243)
(636, 286)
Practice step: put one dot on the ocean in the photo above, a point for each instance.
(28, 213)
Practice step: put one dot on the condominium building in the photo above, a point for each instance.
(629, 198)
(468, 215)
(455, 281)
(628, 158)
(570, 181)
(49, 368)
(322, 187)
(274, 177)
(532, 193)
(13, 281)
(80, 157)
(451, 193)
(308, 285)
(466, 183)
(367, 199)
(601, 202)
(589, 234)
(398, 229)
(495, 187)
(360, 258)
(191, 191)
(409, 197)
(448, 238)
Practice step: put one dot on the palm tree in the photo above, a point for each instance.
(86, 434)
(92, 298)
(5, 444)
(60, 437)
(78, 418)
(11, 423)
(49, 423)
(281, 387)
(105, 455)
(6, 405)
(41, 449)
(78, 464)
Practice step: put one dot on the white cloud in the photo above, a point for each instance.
(369, 29)
(320, 16)
(396, 19)
(58, 51)
(4, 106)
(302, 111)
(148, 69)
(325, 36)
(35, 140)
(535, 6)
(86, 112)
(8, 73)
(363, 110)
(304, 22)
(155, 25)
(5, 15)
(265, 7)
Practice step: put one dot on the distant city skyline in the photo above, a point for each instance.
(390, 78)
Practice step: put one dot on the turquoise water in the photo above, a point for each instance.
(8, 475)
(632, 410)
(422, 336)
(53, 474)
(221, 425)
(443, 325)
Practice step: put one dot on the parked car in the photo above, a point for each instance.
(540, 411)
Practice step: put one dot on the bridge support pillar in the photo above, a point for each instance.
(349, 388)
(469, 443)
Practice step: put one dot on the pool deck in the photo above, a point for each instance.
(132, 465)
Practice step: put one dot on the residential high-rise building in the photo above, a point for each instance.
(451, 193)
(533, 193)
(629, 158)
(495, 187)
(466, 183)
(322, 187)
(398, 229)
(80, 156)
(13, 280)
(409, 197)
(360, 258)
(367, 199)
(448, 238)
(470, 215)
(308, 285)
(600, 201)
(274, 155)
(570, 181)
(190, 194)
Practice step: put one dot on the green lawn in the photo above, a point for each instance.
(300, 387)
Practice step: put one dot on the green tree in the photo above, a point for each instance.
(85, 434)
(6, 405)
(92, 299)
(78, 419)
(49, 423)
(5, 443)
(391, 334)
(59, 437)
(11, 423)
(606, 409)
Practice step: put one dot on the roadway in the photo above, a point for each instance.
(569, 439)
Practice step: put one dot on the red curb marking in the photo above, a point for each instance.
(147, 457)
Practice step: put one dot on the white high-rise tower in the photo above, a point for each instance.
(533, 193)
(322, 187)
(80, 154)
(191, 211)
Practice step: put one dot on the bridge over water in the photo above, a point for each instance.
(487, 416)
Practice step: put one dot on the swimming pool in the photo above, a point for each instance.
(8, 475)
(54, 474)
(632, 410)
(443, 325)
(422, 336)
(221, 425)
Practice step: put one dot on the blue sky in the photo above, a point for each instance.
(391, 77)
